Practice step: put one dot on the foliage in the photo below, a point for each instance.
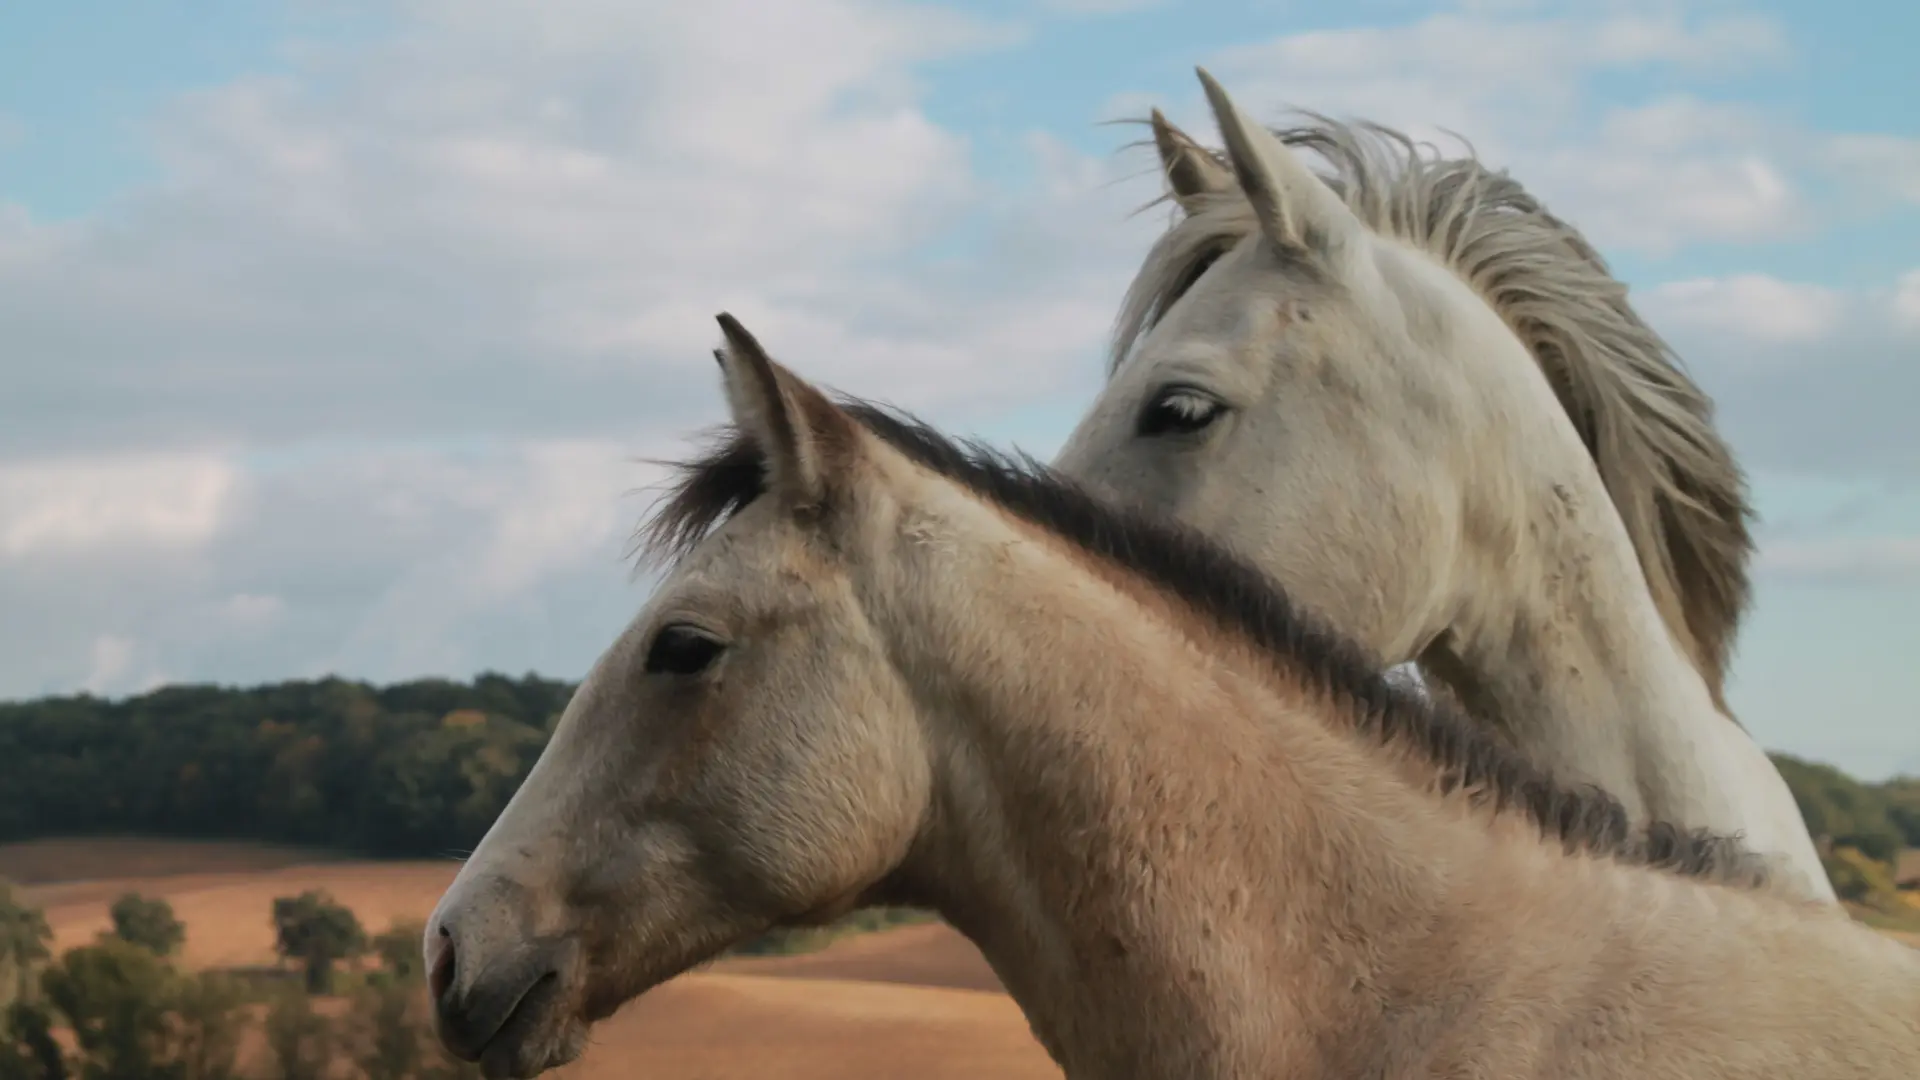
(1864, 827)
(318, 932)
(1848, 812)
(208, 1024)
(24, 938)
(1902, 796)
(149, 923)
(389, 1034)
(1851, 874)
(128, 1013)
(300, 1042)
(116, 998)
(415, 769)
(400, 952)
(28, 1050)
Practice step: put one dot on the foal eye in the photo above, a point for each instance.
(1179, 410)
(680, 649)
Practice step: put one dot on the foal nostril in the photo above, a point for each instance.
(480, 985)
(441, 967)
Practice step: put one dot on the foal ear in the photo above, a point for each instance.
(794, 424)
(1190, 171)
(1297, 210)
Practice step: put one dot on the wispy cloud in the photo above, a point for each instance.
(1872, 560)
(359, 384)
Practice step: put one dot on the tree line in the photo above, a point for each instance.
(415, 769)
(1863, 829)
(421, 768)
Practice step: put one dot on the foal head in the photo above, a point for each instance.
(743, 756)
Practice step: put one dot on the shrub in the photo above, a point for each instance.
(149, 923)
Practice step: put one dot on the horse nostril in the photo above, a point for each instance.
(440, 974)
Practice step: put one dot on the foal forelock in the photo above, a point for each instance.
(1238, 599)
(1647, 425)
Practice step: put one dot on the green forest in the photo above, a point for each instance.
(421, 768)
(415, 769)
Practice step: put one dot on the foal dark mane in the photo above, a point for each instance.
(719, 483)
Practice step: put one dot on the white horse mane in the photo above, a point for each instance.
(1648, 426)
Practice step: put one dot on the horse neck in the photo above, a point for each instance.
(1132, 820)
(1556, 639)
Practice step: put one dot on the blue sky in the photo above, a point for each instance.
(333, 327)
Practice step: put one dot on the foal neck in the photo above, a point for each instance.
(1172, 865)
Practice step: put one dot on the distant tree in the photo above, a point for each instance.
(24, 939)
(149, 923)
(116, 998)
(316, 762)
(28, 1050)
(318, 932)
(208, 1024)
(399, 949)
(1881, 843)
(1845, 811)
(1849, 878)
(300, 1042)
(1903, 808)
(386, 1031)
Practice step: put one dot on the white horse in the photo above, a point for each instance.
(1424, 404)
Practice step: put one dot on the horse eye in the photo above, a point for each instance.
(1179, 410)
(680, 649)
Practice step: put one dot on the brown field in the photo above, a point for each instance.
(918, 1001)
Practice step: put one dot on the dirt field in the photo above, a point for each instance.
(916, 1002)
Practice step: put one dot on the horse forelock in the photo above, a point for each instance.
(1646, 424)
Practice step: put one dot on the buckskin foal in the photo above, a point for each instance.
(1193, 832)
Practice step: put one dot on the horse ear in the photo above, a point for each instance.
(1190, 171)
(1297, 210)
(793, 423)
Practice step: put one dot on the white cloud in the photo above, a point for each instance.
(439, 293)
(1649, 176)
(385, 561)
(476, 542)
(1847, 560)
(120, 665)
(1906, 301)
(1098, 7)
(252, 610)
(1804, 377)
(502, 224)
(1749, 306)
(1889, 164)
(508, 219)
(558, 513)
(1473, 72)
(111, 657)
(56, 507)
